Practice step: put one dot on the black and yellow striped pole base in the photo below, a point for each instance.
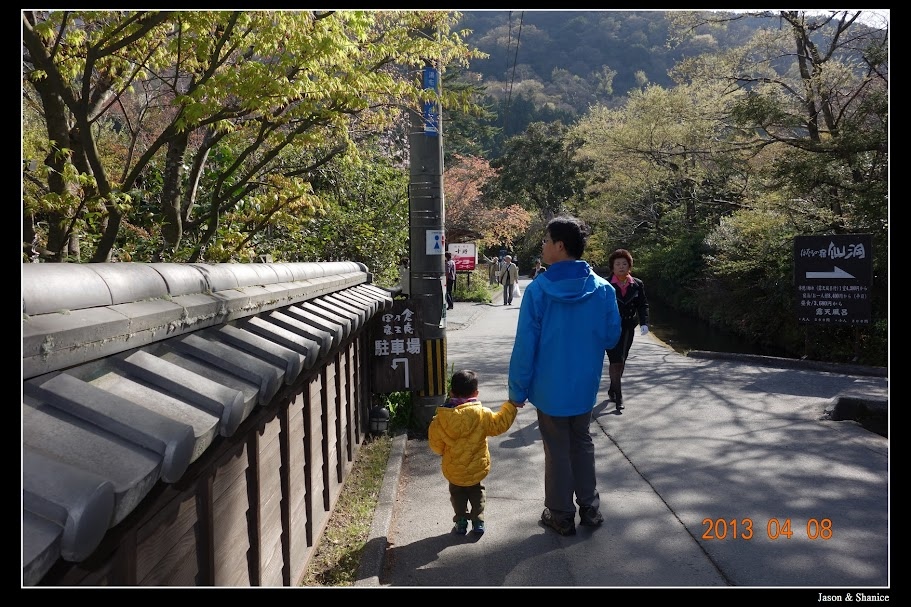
(436, 382)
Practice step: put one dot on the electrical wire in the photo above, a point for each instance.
(511, 74)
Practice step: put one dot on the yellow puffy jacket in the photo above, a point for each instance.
(460, 434)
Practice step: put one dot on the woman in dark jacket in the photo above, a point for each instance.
(633, 305)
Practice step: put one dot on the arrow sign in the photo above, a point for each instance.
(836, 273)
(405, 362)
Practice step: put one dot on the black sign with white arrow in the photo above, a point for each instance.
(832, 277)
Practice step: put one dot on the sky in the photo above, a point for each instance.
(875, 16)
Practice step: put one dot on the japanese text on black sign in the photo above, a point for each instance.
(835, 252)
(399, 335)
(833, 275)
(398, 348)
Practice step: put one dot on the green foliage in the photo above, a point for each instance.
(750, 260)
(761, 135)
(674, 270)
(479, 290)
(400, 410)
(707, 183)
(473, 132)
(567, 51)
(449, 378)
(235, 110)
(538, 171)
(659, 167)
(528, 248)
(364, 218)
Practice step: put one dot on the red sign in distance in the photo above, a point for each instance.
(464, 254)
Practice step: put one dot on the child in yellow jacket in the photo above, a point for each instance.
(459, 432)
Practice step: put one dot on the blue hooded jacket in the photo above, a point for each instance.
(567, 319)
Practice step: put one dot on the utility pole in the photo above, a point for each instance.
(428, 247)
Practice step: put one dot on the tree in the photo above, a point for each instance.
(463, 183)
(814, 88)
(218, 111)
(816, 104)
(660, 166)
(471, 131)
(710, 180)
(364, 218)
(469, 215)
(538, 171)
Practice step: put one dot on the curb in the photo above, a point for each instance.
(374, 554)
(870, 411)
(793, 363)
(455, 325)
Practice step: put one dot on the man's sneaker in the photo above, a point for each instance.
(461, 527)
(477, 527)
(590, 517)
(564, 527)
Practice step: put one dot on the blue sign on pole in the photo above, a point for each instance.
(431, 108)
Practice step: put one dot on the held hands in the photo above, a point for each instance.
(515, 404)
(643, 330)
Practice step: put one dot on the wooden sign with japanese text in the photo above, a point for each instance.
(395, 349)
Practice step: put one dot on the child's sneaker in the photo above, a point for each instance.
(461, 527)
(477, 527)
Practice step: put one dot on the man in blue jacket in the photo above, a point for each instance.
(568, 317)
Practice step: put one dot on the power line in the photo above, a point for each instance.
(511, 77)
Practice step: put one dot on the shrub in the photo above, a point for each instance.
(474, 286)
(399, 406)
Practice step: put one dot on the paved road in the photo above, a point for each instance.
(706, 451)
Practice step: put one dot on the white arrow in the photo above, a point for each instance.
(836, 273)
(395, 366)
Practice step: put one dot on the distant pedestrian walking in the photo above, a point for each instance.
(508, 276)
(633, 306)
(450, 280)
(567, 319)
(459, 432)
(493, 268)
